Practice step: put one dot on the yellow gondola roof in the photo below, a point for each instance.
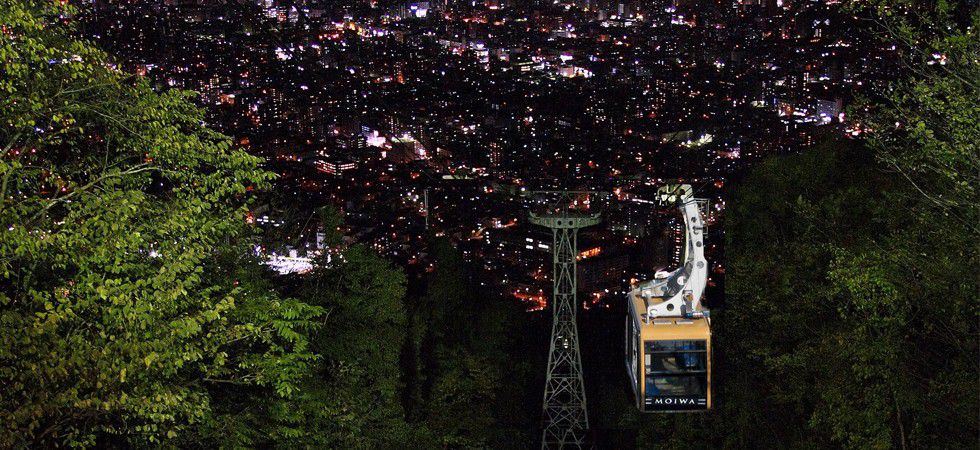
(669, 328)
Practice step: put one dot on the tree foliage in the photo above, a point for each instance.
(851, 315)
(926, 127)
(122, 231)
(865, 324)
(350, 397)
(469, 383)
(852, 303)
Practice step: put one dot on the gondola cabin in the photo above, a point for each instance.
(668, 331)
(668, 360)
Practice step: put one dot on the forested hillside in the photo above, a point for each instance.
(134, 313)
(852, 296)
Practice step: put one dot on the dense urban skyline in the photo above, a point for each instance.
(417, 117)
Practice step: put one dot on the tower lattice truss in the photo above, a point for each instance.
(565, 418)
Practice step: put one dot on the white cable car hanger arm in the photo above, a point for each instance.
(678, 293)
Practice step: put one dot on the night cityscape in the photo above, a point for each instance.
(417, 118)
(402, 224)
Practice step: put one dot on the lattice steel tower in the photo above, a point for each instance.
(566, 420)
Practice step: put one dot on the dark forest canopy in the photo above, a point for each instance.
(852, 312)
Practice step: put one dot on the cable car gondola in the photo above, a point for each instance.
(668, 331)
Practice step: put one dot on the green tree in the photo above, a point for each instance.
(472, 378)
(350, 398)
(360, 343)
(851, 316)
(783, 332)
(851, 312)
(926, 126)
(122, 237)
(914, 288)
